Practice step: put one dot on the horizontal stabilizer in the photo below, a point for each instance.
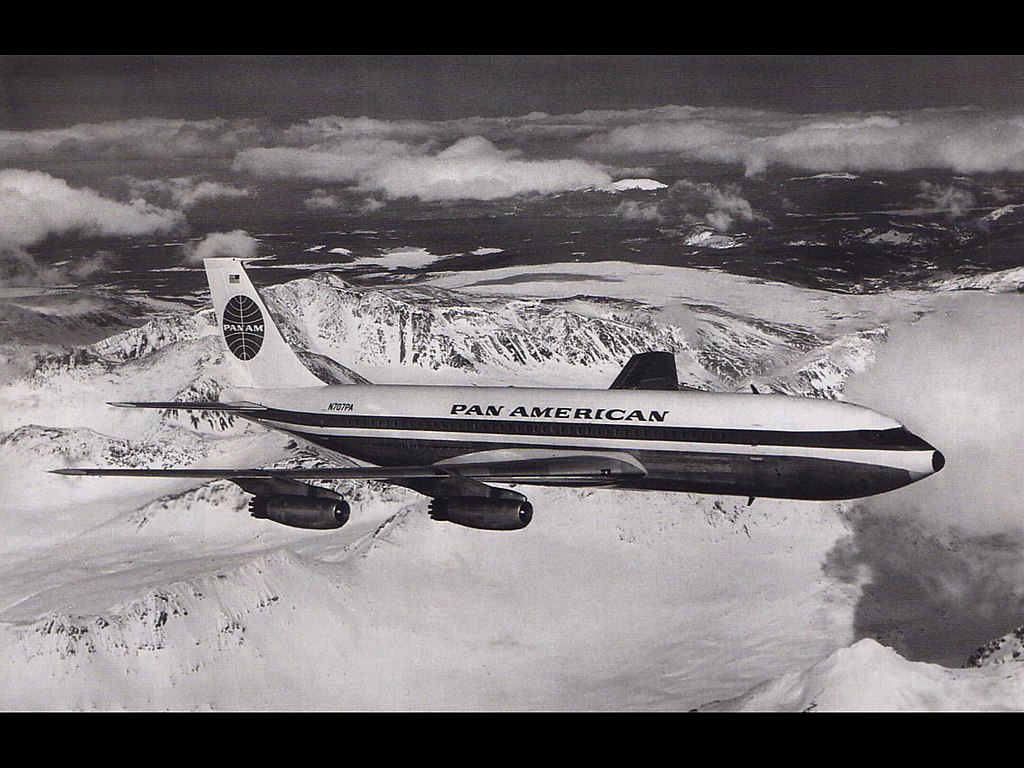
(649, 370)
(172, 405)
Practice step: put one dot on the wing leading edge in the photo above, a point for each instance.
(177, 405)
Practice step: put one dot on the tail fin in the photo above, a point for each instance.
(252, 339)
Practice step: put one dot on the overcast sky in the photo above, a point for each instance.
(130, 146)
(55, 91)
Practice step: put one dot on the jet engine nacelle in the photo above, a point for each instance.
(314, 513)
(483, 514)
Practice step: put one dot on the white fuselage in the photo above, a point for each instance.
(744, 444)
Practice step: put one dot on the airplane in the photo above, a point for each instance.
(454, 443)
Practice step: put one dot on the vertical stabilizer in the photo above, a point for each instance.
(252, 340)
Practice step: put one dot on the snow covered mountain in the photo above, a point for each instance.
(1008, 648)
(426, 330)
(1005, 281)
(348, 333)
(432, 329)
(627, 185)
(55, 316)
(168, 594)
(369, 612)
(870, 677)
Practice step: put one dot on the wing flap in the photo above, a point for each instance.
(504, 466)
(528, 465)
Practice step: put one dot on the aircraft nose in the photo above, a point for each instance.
(938, 461)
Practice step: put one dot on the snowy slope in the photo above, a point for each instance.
(424, 333)
(155, 594)
(418, 615)
(1008, 648)
(868, 677)
(60, 316)
(1005, 281)
(626, 185)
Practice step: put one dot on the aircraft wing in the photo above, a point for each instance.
(501, 466)
(328, 473)
(178, 405)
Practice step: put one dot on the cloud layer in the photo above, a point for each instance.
(688, 202)
(35, 205)
(237, 244)
(472, 167)
(141, 138)
(964, 141)
(18, 268)
(954, 378)
(184, 192)
(952, 200)
(490, 158)
(944, 557)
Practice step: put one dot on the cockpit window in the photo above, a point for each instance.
(899, 437)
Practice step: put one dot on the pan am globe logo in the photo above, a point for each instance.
(243, 327)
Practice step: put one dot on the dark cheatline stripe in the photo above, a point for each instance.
(788, 477)
(888, 439)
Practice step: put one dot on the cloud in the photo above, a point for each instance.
(953, 200)
(941, 562)
(185, 191)
(966, 141)
(332, 128)
(635, 210)
(321, 200)
(471, 168)
(492, 158)
(944, 558)
(342, 161)
(488, 158)
(324, 131)
(139, 138)
(719, 206)
(475, 168)
(19, 268)
(35, 205)
(237, 244)
(695, 202)
(697, 139)
(85, 268)
(934, 595)
(954, 378)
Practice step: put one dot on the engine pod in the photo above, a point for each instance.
(319, 514)
(482, 513)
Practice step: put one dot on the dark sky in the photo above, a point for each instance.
(55, 91)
